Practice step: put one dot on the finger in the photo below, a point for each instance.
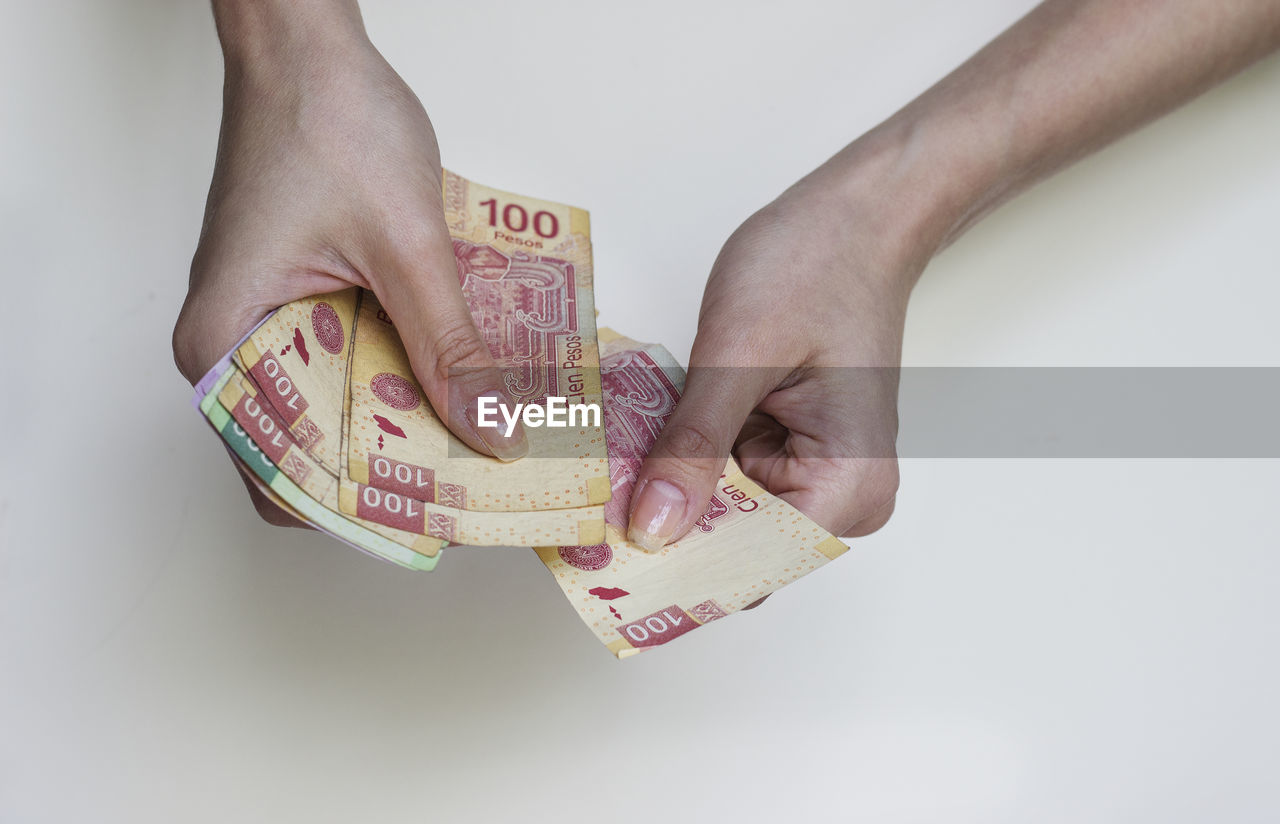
(761, 447)
(872, 522)
(851, 498)
(680, 473)
(206, 330)
(417, 284)
(764, 459)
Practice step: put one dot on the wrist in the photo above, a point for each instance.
(269, 38)
(911, 185)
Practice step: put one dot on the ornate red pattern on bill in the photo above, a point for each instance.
(454, 495)
(638, 399)
(440, 525)
(639, 396)
(520, 303)
(715, 509)
(327, 328)
(707, 611)
(307, 433)
(395, 391)
(295, 468)
(586, 558)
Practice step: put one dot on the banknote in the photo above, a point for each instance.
(524, 266)
(296, 366)
(746, 545)
(299, 357)
(321, 408)
(242, 399)
(267, 492)
(460, 526)
(258, 464)
(422, 527)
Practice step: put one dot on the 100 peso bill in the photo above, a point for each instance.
(746, 545)
(524, 267)
(320, 407)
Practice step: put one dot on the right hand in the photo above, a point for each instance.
(328, 175)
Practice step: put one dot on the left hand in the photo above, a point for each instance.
(794, 370)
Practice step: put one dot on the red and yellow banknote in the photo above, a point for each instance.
(321, 407)
(746, 545)
(524, 266)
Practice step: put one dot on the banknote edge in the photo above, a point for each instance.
(216, 371)
(424, 563)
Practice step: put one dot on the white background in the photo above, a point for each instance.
(1026, 641)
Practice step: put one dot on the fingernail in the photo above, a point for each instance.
(493, 433)
(657, 512)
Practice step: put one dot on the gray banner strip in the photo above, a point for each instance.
(1069, 412)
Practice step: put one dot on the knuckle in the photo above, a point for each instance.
(875, 498)
(873, 522)
(458, 346)
(693, 440)
(879, 486)
(888, 478)
(690, 449)
(416, 234)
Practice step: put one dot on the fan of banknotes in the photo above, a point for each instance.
(320, 405)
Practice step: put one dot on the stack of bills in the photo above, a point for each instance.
(320, 406)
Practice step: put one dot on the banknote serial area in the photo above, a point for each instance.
(321, 406)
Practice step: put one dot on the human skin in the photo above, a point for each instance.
(851, 239)
(328, 176)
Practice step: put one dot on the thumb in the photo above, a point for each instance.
(419, 289)
(680, 474)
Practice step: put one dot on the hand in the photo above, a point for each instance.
(328, 176)
(818, 281)
(794, 369)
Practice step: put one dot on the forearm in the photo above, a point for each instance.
(1067, 79)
